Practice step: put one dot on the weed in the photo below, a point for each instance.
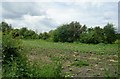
(80, 63)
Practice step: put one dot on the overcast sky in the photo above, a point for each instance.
(44, 16)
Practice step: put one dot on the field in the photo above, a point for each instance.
(76, 59)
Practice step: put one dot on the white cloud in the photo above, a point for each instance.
(63, 15)
(92, 14)
(38, 23)
(34, 19)
(45, 16)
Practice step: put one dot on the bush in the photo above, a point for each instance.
(117, 41)
(11, 48)
(14, 64)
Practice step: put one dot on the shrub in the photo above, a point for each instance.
(14, 64)
(117, 41)
(11, 48)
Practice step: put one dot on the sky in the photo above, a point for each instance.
(43, 16)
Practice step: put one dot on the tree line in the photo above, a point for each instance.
(71, 32)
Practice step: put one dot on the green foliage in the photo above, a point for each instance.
(55, 59)
(117, 41)
(71, 32)
(5, 27)
(80, 63)
(93, 35)
(98, 35)
(75, 32)
(67, 32)
(15, 33)
(56, 36)
(45, 36)
(52, 71)
(27, 34)
(109, 33)
(10, 47)
(80, 47)
(64, 52)
(18, 67)
(117, 36)
(15, 63)
(23, 33)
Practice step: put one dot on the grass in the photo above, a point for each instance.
(49, 59)
(80, 63)
(83, 48)
(91, 59)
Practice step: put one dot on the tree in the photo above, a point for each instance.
(84, 29)
(61, 34)
(45, 36)
(56, 36)
(75, 30)
(109, 33)
(68, 32)
(93, 35)
(40, 36)
(22, 32)
(5, 27)
(15, 33)
(27, 34)
(99, 34)
(88, 37)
